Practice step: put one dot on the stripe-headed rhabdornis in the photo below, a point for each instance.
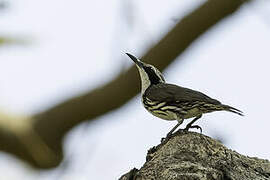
(172, 102)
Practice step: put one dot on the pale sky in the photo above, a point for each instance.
(77, 45)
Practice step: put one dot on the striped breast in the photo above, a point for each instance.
(162, 109)
(177, 110)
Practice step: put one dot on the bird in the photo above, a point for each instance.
(173, 102)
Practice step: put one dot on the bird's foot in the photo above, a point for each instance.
(194, 126)
(168, 136)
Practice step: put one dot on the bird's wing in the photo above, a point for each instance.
(173, 93)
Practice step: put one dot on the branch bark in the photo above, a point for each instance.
(189, 155)
(41, 144)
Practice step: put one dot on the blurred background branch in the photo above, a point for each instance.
(11, 40)
(3, 5)
(39, 141)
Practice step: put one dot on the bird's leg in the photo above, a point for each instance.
(175, 127)
(169, 135)
(189, 125)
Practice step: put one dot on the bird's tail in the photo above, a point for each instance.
(232, 109)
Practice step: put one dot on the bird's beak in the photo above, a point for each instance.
(136, 60)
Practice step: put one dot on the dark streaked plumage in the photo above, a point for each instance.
(184, 98)
(172, 102)
(172, 93)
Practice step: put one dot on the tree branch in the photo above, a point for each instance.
(190, 155)
(49, 127)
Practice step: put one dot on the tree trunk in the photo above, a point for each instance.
(190, 155)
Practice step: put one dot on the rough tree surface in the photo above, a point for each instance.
(190, 155)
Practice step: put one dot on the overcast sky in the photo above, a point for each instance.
(75, 46)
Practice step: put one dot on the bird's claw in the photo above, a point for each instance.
(194, 126)
(168, 136)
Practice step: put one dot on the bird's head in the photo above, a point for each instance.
(149, 74)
